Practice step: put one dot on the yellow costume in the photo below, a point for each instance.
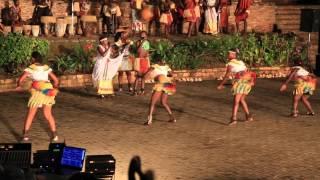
(304, 84)
(42, 91)
(163, 82)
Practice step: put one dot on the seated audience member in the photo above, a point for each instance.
(41, 9)
(15, 13)
(110, 10)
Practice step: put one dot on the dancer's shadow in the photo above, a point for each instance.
(11, 129)
(74, 91)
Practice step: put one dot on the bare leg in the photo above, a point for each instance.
(128, 73)
(142, 85)
(296, 99)
(245, 26)
(191, 25)
(236, 102)
(306, 102)
(154, 99)
(164, 102)
(237, 27)
(136, 82)
(245, 107)
(28, 121)
(47, 111)
(120, 75)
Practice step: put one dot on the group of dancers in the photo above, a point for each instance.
(117, 56)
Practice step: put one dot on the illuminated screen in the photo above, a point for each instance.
(73, 157)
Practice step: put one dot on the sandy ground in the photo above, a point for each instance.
(199, 146)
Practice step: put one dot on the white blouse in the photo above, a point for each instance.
(237, 66)
(38, 73)
(301, 71)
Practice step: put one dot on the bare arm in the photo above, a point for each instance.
(101, 51)
(22, 78)
(226, 76)
(290, 77)
(54, 79)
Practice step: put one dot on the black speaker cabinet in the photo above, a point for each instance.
(310, 20)
(15, 154)
(102, 166)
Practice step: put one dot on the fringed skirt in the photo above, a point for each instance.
(241, 86)
(165, 85)
(42, 93)
(105, 87)
(166, 18)
(126, 64)
(302, 87)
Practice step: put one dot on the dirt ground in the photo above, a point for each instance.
(199, 146)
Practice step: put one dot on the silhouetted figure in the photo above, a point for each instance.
(135, 167)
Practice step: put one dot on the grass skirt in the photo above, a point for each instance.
(302, 87)
(241, 86)
(42, 93)
(164, 84)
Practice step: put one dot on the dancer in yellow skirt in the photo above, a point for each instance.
(242, 84)
(305, 84)
(162, 89)
(43, 94)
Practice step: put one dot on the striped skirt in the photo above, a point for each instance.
(241, 86)
(42, 93)
(165, 85)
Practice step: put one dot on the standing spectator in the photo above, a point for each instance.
(105, 13)
(224, 15)
(166, 16)
(242, 13)
(5, 14)
(136, 6)
(84, 7)
(156, 16)
(190, 15)
(211, 17)
(15, 13)
(41, 9)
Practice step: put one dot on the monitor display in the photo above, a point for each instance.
(73, 157)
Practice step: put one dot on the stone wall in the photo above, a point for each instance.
(83, 80)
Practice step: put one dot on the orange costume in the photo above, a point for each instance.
(242, 12)
(189, 12)
(224, 13)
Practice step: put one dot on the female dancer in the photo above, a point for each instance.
(99, 67)
(161, 89)
(123, 42)
(305, 84)
(143, 62)
(242, 84)
(43, 94)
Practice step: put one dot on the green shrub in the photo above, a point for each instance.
(16, 50)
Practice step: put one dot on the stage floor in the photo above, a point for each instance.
(199, 146)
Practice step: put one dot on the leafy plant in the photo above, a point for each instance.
(16, 50)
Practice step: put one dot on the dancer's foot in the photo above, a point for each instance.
(54, 137)
(149, 122)
(102, 96)
(172, 119)
(120, 90)
(25, 136)
(294, 114)
(249, 117)
(310, 114)
(142, 91)
(131, 89)
(233, 121)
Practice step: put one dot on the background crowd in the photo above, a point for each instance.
(168, 16)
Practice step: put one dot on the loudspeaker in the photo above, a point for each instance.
(102, 166)
(310, 20)
(15, 154)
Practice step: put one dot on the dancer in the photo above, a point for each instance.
(305, 84)
(163, 87)
(123, 42)
(43, 94)
(106, 69)
(99, 61)
(244, 80)
(142, 63)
